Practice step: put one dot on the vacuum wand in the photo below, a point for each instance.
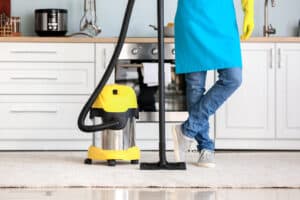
(163, 163)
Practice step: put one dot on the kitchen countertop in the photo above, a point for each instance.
(128, 40)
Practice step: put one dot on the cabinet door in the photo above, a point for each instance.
(46, 52)
(42, 122)
(46, 78)
(104, 53)
(249, 113)
(288, 91)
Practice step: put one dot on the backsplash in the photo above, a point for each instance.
(284, 17)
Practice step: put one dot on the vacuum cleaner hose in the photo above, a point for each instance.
(85, 110)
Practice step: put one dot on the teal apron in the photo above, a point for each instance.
(206, 36)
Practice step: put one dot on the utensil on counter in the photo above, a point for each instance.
(9, 26)
(88, 23)
(51, 22)
(168, 30)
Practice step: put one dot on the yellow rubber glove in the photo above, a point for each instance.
(248, 8)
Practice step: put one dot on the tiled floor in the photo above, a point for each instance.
(149, 194)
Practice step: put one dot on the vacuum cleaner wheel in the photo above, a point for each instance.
(111, 163)
(88, 161)
(134, 162)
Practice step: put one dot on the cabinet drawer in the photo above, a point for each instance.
(48, 52)
(46, 78)
(40, 117)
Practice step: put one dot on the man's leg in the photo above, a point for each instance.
(195, 88)
(197, 125)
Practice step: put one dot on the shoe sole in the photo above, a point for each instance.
(206, 165)
(176, 146)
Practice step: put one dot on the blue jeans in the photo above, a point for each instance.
(202, 105)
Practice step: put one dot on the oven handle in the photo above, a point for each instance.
(133, 65)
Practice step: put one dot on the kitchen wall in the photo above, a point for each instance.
(284, 17)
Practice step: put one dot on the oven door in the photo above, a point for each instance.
(131, 74)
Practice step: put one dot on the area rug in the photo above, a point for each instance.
(66, 169)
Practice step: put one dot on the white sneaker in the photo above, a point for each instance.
(206, 159)
(182, 143)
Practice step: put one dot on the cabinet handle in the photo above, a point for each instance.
(104, 58)
(33, 110)
(32, 78)
(272, 58)
(33, 52)
(279, 58)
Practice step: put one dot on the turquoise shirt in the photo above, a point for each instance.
(206, 36)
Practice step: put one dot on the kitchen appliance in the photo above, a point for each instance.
(51, 22)
(117, 107)
(128, 71)
(163, 163)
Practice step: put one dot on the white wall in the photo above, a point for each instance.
(284, 17)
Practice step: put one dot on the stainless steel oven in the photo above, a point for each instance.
(129, 71)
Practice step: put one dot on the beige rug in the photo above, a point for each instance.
(66, 169)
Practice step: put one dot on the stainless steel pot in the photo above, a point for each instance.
(51, 22)
(168, 31)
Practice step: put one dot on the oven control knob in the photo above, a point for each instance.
(154, 51)
(135, 51)
(173, 51)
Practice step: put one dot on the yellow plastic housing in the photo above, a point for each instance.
(96, 153)
(116, 98)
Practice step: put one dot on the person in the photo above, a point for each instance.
(207, 38)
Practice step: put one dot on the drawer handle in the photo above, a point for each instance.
(31, 110)
(33, 52)
(33, 78)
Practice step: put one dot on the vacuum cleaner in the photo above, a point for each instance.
(117, 107)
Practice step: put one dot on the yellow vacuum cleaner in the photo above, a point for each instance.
(117, 106)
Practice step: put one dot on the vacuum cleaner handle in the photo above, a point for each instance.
(107, 125)
(85, 110)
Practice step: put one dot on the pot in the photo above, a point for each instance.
(51, 22)
(168, 30)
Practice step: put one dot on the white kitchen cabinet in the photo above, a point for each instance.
(104, 53)
(250, 113)
(264, 112)
(46, 78)
(288, 91)
(34, 122)
(43, 86)
(46, 52)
